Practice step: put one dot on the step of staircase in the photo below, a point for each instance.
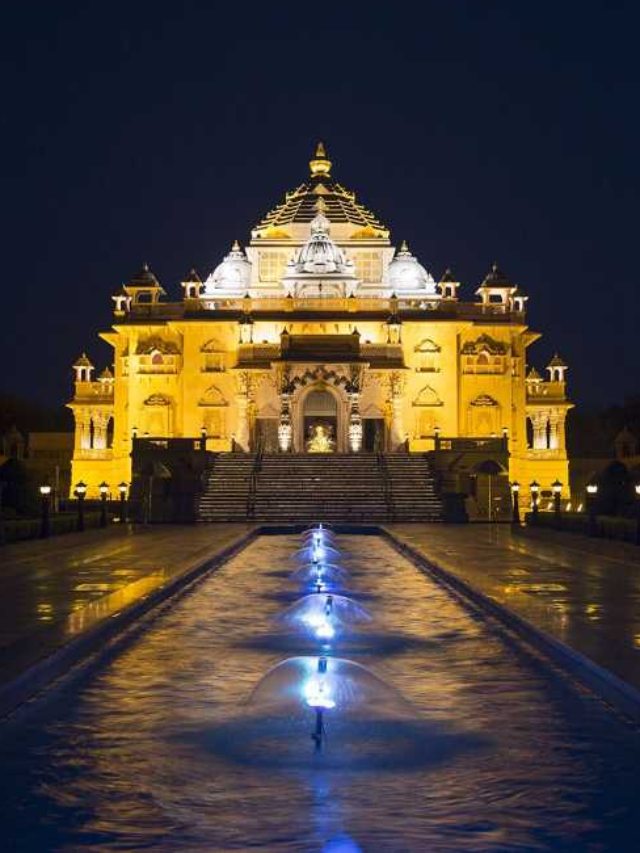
(306, 487)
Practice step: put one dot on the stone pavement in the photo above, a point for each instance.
(52, 591)
(584, 592)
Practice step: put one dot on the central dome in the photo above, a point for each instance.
(320, 254)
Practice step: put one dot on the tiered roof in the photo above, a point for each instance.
(340, 204)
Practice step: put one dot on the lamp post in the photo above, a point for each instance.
(556, 488)
(636, 489)
(45, 506)
(80, 491)
(515, 502)
(122, 489)
(203, 438)
(104, 494)
(592, 491)
(534, 488)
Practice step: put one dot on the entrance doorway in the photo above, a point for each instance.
(373, 435)
(320, 422)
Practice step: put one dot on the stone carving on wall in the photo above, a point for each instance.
(158, 400)
(213, 396)
(146, 346)
(427, 396)
(484, 343)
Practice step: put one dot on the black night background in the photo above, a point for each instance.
(477, 131)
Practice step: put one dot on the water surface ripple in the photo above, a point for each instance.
(158, 750)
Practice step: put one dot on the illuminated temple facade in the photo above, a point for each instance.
(320, 336)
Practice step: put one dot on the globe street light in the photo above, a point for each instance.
(104, 493)
(515, 502)
(122, 489)
(80, 492)
(592, 492)
(534, 488)
(45, 505)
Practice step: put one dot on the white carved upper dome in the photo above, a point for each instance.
(232, 276)
(406, 274)
(320, 254)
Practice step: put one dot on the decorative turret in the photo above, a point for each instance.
(144, 286)
(106, 380)
(192, 285)
(83, 368)
(533, 376)
(557, 369)
(393, 322)
(496, 290)
(448, 285)
(231, 278)
(320, 166)
(409, 278)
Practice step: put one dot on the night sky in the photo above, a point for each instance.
(475, 130)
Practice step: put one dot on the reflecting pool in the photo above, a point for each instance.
(451, 737)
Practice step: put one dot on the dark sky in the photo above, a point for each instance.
(476, 130)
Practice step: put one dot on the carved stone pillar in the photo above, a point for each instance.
(99, 431)
(355, 422)
(243, 401)
(397, 431)
(83, 429)
(562, 438)
(539, 420)
(285, 431)
(553, 431)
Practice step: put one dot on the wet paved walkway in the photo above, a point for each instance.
(584, 592)
(55, 590)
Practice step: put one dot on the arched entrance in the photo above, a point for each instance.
(320, 421)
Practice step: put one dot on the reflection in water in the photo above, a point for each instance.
(161, 749)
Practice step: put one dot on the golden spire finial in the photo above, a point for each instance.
(320, 205)
(320, 165)
(236, 246)
(404, 247)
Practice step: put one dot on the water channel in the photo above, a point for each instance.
(456, 738)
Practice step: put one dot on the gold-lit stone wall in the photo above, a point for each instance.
(422, 361)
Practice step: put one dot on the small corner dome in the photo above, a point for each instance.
(232, 276)
(406, 274)
(83, 361)
(144, 278)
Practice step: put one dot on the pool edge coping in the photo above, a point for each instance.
(613, 690)
(42, 674)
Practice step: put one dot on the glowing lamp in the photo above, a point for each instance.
(316, 696)
(535, 487)
(122, 488)
(636, 489)
(515, 487)
(104, 489)
(592, 488)
(45, 490)
(81, 489)
(556, 487)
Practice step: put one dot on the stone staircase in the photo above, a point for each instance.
(413, 488)
(288, 487)
(227, 489)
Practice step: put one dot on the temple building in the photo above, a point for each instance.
(320, 336)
